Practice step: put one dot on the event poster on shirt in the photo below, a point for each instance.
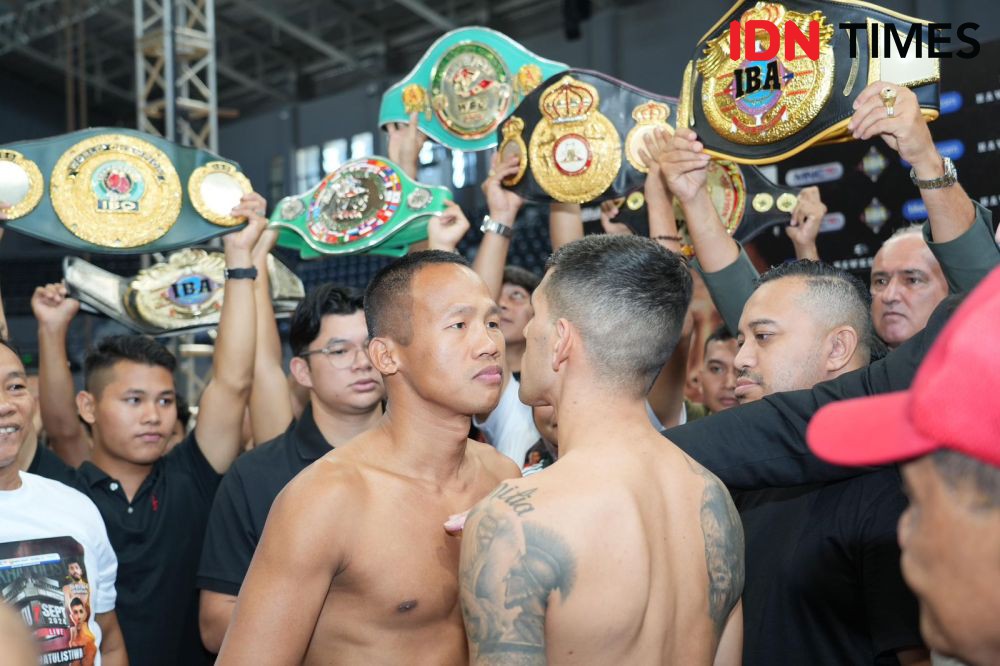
(45, 580)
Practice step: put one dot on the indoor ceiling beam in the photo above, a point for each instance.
(430, 15)
(289, 28)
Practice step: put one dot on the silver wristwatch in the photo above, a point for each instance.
(496, 227)
(949, 178)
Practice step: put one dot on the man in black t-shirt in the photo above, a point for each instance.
(823, 584)
(328, 336)
(155, 506)
(944, 433)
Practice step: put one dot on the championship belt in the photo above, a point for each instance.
(180, 295)
(579, 137)
(118, 191)
(763, 112)
(366, 206)
(465, 85)
(747, 203)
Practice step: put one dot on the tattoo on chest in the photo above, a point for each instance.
(724, 549)
(509, 571)
(519, 501)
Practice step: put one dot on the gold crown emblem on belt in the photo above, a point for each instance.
(575, 151)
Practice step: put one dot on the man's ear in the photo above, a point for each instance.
(565, 340)
(86, 405)
(384, 355)
(842, 342)
(301, 371)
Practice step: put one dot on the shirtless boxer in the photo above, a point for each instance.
(625, 551)
(354, 566)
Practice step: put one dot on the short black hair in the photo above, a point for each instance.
(721, 334)
(836, 294)
(115, 348)
(183, 410)
(957, 469)
(77, 601)
(325, 299)
(11, 346)
(521, 277)
(628, 296)
(388, 301)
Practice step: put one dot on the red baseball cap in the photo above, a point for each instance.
(953, 403)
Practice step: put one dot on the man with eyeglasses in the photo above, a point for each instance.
(329, 346)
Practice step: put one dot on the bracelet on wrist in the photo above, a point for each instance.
(241, 273)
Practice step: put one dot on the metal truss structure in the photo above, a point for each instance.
(266, 51)
(175, 71)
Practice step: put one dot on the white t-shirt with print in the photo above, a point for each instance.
(57, 567)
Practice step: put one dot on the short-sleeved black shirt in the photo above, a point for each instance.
(157, 538)
(823, 583)
(245, 497)
(46, 463)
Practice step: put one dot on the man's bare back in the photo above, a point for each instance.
(355, 567)
(629, 553)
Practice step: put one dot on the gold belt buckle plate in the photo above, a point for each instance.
(782, 97)
(575, 151)
(116, 191)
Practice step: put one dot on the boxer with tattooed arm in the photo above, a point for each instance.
(625, 551)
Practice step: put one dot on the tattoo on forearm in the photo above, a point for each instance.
(509, 571)
(724, 549)
(520, 501)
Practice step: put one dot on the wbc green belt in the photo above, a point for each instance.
(579, 137)
(465, 85)
(366, 206)
(747, 203)
(118, 191)
(182, 294)
(759, 112)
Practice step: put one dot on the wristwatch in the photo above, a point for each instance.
(241, 273)
(496, 227)
(949, 178)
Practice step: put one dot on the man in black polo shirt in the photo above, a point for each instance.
(155, 506)
(328, 340)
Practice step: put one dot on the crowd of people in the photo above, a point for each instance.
(640, 488)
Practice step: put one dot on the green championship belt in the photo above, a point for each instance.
(465, 85)
(180, 295)
(118, 191)
(759, 112)
(747, 203)
(366, 206)
(579, 138)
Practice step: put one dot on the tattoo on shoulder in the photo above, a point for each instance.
(519, 502)
(724, 548)
(510, 569)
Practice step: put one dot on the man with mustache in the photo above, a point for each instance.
(913, 271)
(353, 566)
(823, 579)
